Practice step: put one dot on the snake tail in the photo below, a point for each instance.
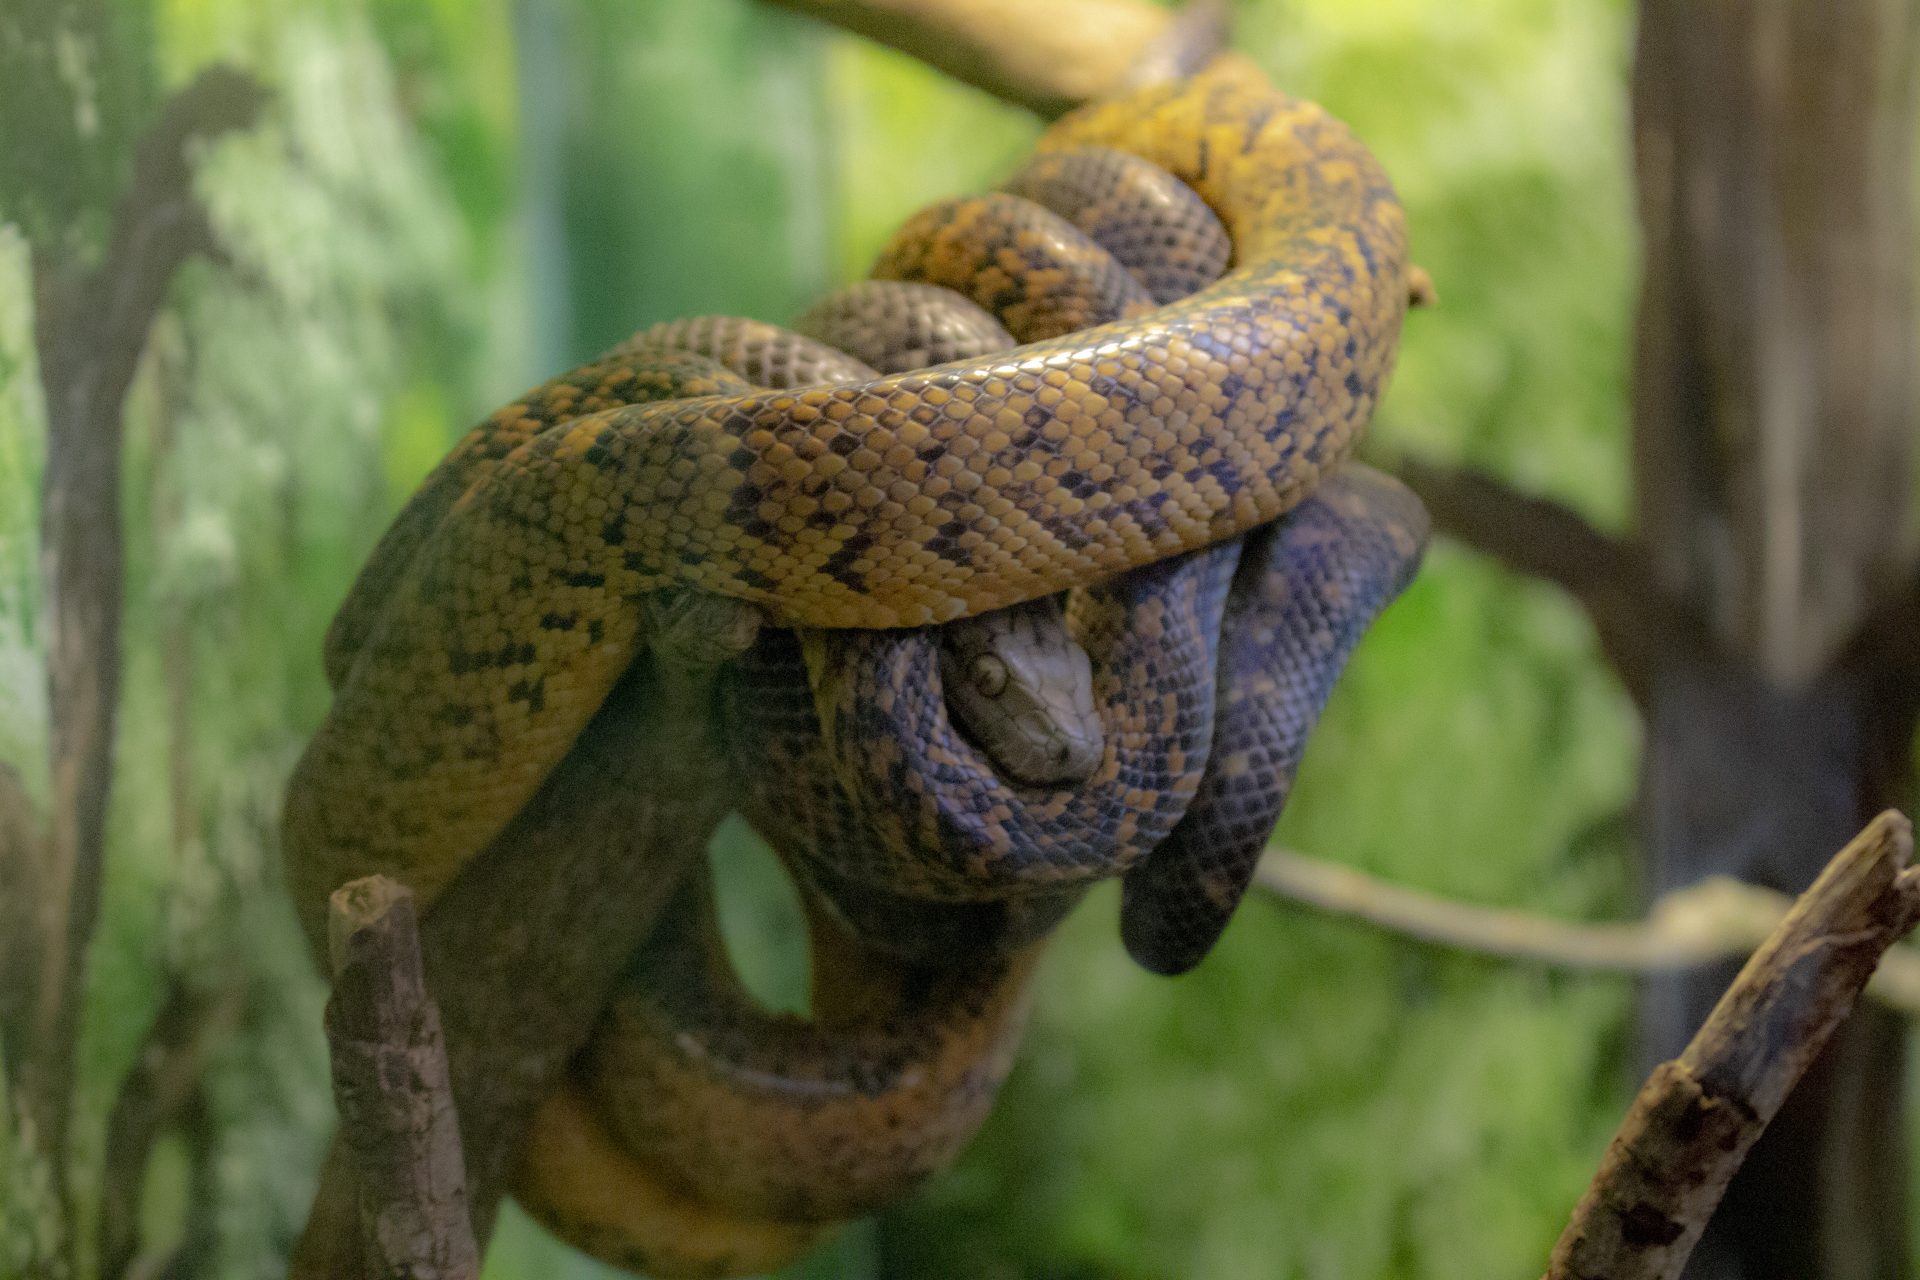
(1309, 588)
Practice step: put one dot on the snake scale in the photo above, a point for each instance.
(1119, 462)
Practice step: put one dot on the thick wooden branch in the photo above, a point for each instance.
(1638, 624)
(1696, 1117)
(391, 1084)
(1047, 58)
(1774, 405)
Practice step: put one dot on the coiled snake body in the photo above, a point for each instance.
(556, 544)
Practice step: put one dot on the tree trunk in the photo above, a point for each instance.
(1773, 420)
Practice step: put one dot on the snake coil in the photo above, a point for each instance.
(539, 561)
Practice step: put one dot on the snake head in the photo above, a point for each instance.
(1022, 689)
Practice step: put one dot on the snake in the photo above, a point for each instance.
(557, 544)
(806, 1120)
(796, 1124)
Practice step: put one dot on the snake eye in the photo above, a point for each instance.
(989, 675)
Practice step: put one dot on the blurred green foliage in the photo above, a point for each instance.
(452, 199)
(80, 72)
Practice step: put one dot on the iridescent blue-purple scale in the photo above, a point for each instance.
(1309, 587)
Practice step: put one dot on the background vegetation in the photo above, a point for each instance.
(447, 201)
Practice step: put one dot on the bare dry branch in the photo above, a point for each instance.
(391, 1084)
(1045, 58)
(1715, 920)
(1694, 1120)
(1719, 918)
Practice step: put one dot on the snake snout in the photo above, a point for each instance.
(1041, 748)
(1075, 753)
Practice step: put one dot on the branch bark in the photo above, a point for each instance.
(1773, 422)
(391, 1084)
(593, 859)
(1697, 1116)
(21, 857)
(1079, 49)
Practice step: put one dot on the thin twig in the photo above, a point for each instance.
(1717, 919)
(391, 1085)
(1694, 1120)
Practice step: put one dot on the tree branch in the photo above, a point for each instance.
(1639, 625)
(1716, 919)
(1694, 1120)
(162, 1089)
(1048, 63)
(391, 1085)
